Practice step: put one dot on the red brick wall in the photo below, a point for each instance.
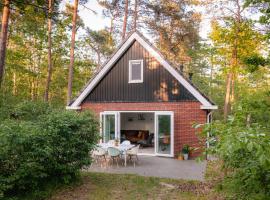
(185, 114)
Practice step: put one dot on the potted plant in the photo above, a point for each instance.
(180, 156)
(185, 151)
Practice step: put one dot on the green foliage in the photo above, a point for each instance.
(185, 149)
(245, 152)
(29, 110)
(101, 42)
(254, 62)
(51, 148)
(263, 7)
(256, 107)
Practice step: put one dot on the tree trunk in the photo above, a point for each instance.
(135, 15)
(14, 84)
(111, 30)
(227, 96)
(232, 98)
(125, 21)
(99, 59)
(3, 38)
(111, 26)
(211, 76)
(49, 75)
(70, 73)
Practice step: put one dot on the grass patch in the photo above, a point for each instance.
(97, 186)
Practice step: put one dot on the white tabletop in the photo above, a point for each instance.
(121, 147)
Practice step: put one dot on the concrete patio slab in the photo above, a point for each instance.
(159, 167)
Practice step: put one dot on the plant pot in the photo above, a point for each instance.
(180, 157)
(185, 156)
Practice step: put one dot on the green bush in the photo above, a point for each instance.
(245, 152)
(54, 147)
(29, 110)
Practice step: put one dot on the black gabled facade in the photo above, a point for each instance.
(158, 84)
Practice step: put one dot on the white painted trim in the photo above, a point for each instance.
(103, 71)
(147, 154)
(173, 71)
(73, 107)
(171, 135)
(155, 54)
(209, 107)
(116, 125)
(129, 71)
(118, 119)
(101, 125)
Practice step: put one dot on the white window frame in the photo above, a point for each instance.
(129, 71)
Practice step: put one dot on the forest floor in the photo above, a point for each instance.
(126, 186)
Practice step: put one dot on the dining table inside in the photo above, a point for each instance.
(121, 147)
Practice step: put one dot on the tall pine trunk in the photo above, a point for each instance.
(230, 84)
(71, 66)
(3, 38)
(49, 75)
(135, 14)
(125, 20)
(227, 95)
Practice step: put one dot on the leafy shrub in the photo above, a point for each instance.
(71, 136)
(52, 148)
(245, 152)
(29, 110)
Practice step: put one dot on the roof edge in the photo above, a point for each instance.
(135, 35)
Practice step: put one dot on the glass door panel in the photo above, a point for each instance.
(109, 127)
(164, 136)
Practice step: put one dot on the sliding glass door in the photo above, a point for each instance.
(164, 133)
(109, 126)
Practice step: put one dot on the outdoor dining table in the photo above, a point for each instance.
(121, 147)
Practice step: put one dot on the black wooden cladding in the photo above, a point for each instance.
(158, 84)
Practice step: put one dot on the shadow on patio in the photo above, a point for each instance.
(158, 167)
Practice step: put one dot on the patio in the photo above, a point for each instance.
(159, 167)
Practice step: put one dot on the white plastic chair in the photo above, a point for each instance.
(114, 154)
(99, 154)
(133, 153)
(126, 142)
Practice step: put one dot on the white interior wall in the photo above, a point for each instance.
(136, 124)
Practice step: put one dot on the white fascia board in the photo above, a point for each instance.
(209, 107)
(173, 71)
(73, 107)
(103, 71)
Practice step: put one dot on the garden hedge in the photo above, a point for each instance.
(49, 147)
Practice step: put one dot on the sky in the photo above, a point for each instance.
(98, 21)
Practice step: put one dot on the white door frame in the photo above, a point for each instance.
(171, 133)
(116, 122)
(156, 113)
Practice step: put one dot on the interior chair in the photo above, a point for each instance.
(133, 153)
(148, 142)
(114, 154)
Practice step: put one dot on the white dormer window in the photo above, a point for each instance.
(135, 71)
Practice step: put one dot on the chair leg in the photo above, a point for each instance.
(104, 161)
